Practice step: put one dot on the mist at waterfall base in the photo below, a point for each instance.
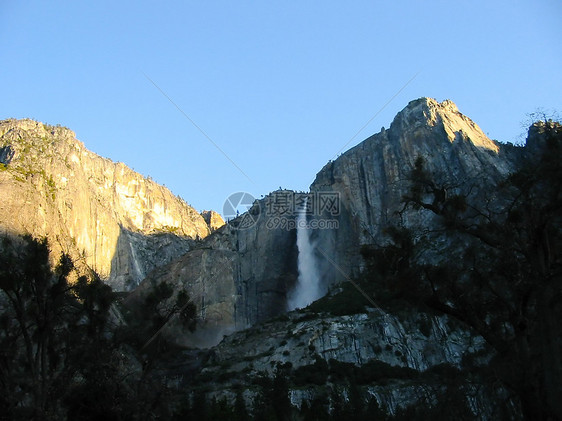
(308, 284)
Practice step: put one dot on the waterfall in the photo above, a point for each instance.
(308, 284)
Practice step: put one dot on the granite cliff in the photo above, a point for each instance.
(236, 277)
(405, 359)
(136, 235)
(105, 215)
(401, 357)
(243, 273)
(373, 177)
(128, 228)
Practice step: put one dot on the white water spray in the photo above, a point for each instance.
(308, 285)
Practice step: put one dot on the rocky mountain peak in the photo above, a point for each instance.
(428, 113)
(103, 213)
(372, 178)
(213, 219)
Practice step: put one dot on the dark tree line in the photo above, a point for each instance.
(500, 270)
(65, 350)
(50, 332)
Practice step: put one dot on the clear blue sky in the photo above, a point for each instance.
(279, 86)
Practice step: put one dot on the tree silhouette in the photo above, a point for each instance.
(51, 333)
(62, 355)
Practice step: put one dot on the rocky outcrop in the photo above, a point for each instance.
(407, 352)
(213, 219)
(105, 215)
(415, 340)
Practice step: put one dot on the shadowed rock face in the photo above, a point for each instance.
(373, 177)
(258, 266)
(236, 277)
(108, 217)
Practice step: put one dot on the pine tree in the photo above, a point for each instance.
(51, 333)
